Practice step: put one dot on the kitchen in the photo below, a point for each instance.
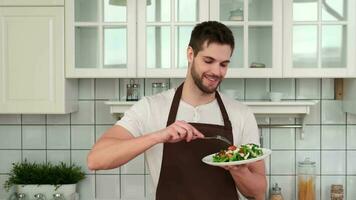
(92, 52)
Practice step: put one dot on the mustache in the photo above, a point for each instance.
(213, 76)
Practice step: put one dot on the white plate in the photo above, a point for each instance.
(209, 159)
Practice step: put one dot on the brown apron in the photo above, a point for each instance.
(183, 175)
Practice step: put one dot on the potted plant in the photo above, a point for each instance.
(46, 179)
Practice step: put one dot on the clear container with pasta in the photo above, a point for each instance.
(306, 180)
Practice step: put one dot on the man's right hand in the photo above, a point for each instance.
(178, 131)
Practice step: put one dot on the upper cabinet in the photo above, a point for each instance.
(257, 28)
(319, 38)
(101, 38)
(32, 75)
(164, 28)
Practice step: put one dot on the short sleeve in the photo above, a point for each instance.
(134, 118)
(250, 133)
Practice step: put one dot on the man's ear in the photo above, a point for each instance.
(190, 54)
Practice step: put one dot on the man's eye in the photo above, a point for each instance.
(223, 65)
(208, 61)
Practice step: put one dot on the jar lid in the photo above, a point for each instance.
(306, 161)
(155, 85)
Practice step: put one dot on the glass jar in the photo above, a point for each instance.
(39, 196)
(276, 193)
(306, 180)
(159, 87)
(132, 91)
(18, 196)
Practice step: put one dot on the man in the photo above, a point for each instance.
(169, 127)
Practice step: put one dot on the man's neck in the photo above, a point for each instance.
(192, 95)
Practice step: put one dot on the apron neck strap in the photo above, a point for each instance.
(175, 104)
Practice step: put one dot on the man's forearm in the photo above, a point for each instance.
(111, 152)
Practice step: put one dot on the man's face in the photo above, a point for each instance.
(209, 67)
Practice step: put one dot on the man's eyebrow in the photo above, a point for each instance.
(209, 57)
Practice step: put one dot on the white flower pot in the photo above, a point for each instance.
(67, 190)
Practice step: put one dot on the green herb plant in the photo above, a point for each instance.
(25, 173)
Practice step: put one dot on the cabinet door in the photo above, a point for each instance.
(32, 60)
(164, 28)
(101, 38)
(257, 28)
(319, 38)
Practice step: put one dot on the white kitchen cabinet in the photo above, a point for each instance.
(100, 38)
(257, 28)
(163, 33)
(32, 78)
(319, 38)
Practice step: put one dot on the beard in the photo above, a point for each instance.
(199, 81)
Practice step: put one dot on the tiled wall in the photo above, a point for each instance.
(330, 138)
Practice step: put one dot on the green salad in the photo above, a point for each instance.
(233, 153)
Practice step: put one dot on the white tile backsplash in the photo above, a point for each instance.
(107, 88)
(58, 137)
(132, 186)
(333, 162)
(327, 88)
(7, 157)
(38, 156)
(283, 138)
(103, 115)
(333, 137)
(34, 137)
(351, 185)
(107, 187)
(82, 137)
(10, 137)
(351, 162)
(33, 119)
(351, 137)
(311, 138)
(57, 156)
(285, 86)
(58, 119)
(234, 88)
(47, 138)
(257, 89)
(332, 112)
(85, 114)
(86, 89)
(10, 119)
(283, 162)
(308, 88)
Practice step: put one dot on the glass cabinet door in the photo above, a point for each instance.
(257, 29)
(104, 38)
(318, 38)
(164, 28)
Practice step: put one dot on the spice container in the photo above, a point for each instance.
(159, 87)
(276, 193)
(306, 180)
(336, 192)
(132, 91)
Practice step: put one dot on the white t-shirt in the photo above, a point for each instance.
(151, 114)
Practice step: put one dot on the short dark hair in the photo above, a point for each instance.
(212, 32)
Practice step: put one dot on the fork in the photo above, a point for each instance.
(219, 137)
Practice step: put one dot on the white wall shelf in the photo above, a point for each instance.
(298, 109)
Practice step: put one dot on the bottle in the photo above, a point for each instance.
(306, 180)
(132, 91)
(276, 193)
(336, 192)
